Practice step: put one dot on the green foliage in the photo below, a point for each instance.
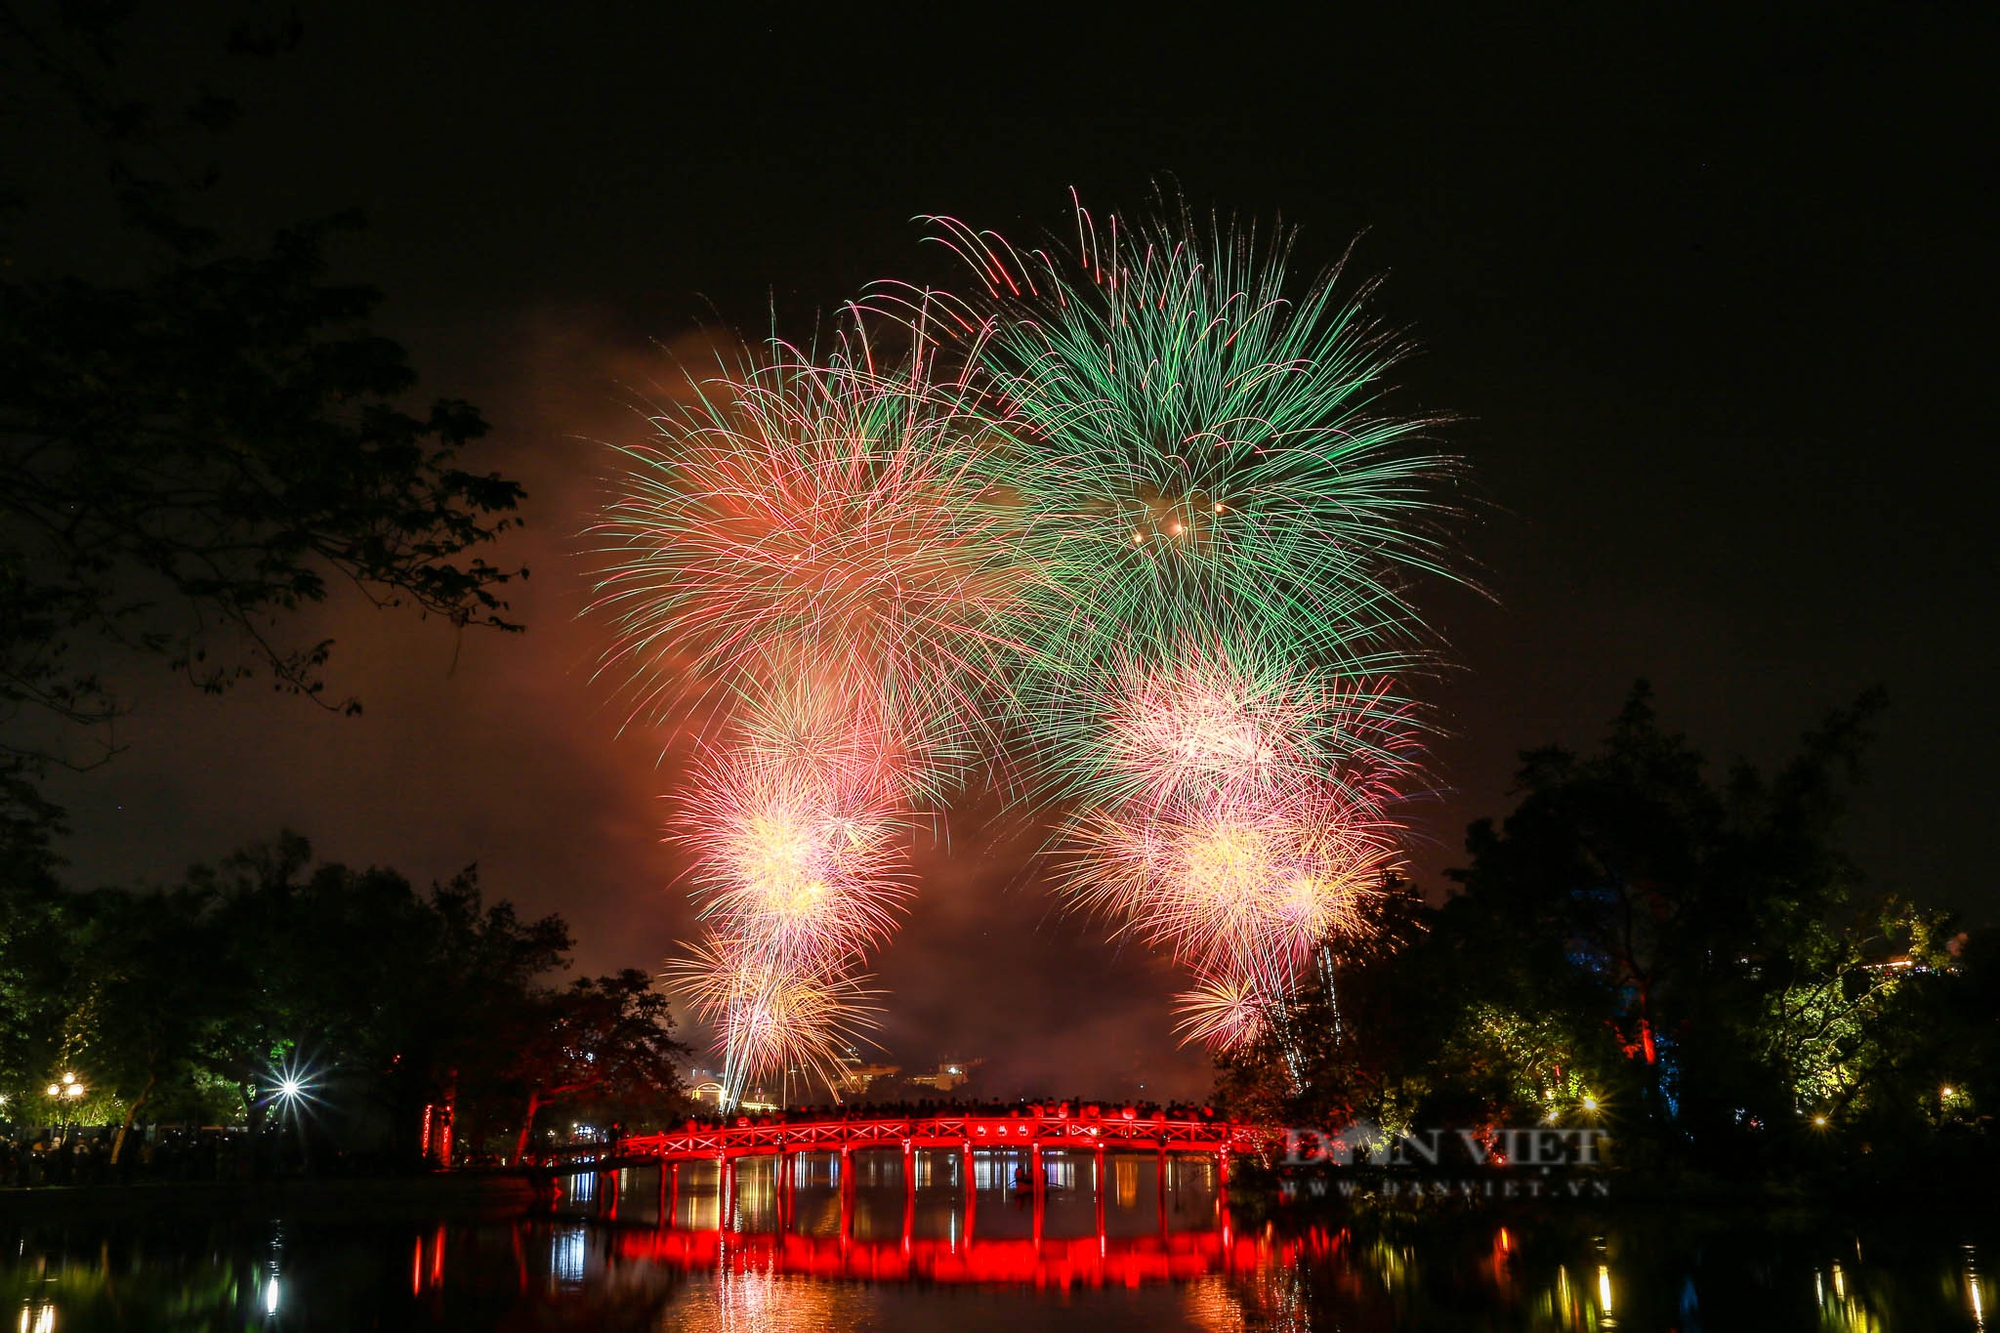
(1698, 960)
(186, 1002)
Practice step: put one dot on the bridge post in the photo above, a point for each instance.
(674, 1192)
(1160, 1176)
(846, 1193)
(971, 1191)
(660, 1217)
(909, 1193)
(1222, 1178)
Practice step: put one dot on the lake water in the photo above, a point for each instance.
(885, 1254)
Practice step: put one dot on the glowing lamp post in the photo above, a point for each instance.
(66, 1092)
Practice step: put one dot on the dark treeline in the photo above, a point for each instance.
(1692, 965)
(200, 436)
(397, 1013)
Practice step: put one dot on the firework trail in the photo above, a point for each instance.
(809, 552)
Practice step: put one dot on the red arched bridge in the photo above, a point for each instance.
(980, 1144)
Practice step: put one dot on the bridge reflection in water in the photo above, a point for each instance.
(1088, 1219)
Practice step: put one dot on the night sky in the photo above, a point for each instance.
(1712, 300)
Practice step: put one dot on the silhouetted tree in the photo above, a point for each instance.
(197, 448)
(606, 1047)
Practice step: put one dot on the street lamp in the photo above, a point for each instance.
(291, 1083)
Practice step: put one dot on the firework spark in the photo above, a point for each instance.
(1198, 443)
(1252, 884)
(770, 1016)
(800, 861)
(1223, 1012)
(802, 512)
(1225, 719)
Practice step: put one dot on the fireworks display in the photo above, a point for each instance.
(1153, 534)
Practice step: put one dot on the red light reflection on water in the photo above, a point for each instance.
(1084, 1261)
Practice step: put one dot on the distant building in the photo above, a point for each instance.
(950, 1074)
(708, 1096)
(854, 1079)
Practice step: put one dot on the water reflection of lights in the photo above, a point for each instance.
(1564, 1305)
(1211, 1304)
(1394, 1265)
(1125, 1181)
(38, 1318)
(435, 1267)
(770, 1303)
(1974, 1296)
(567, 1249)
(1842, 1311)
(273, 1256)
